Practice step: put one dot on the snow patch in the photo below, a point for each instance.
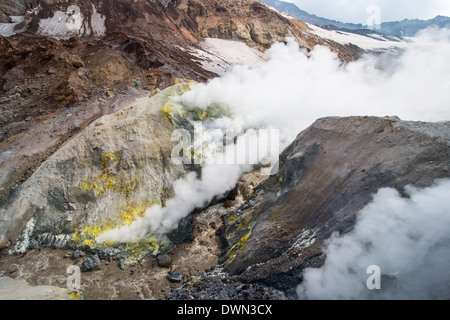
(8, 29)
(98, 23)
(62, 25)
(372, 42)
(72, 23)
(219, 56)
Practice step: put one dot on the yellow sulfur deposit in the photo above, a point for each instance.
(110, 181)
(109, 160)
(167, 111)
(87, 235)
(75, 295)
(232, 252)
(99, 184)
(132, 212)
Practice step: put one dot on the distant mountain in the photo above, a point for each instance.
(405, 28)
(409, 28)
(301, 15)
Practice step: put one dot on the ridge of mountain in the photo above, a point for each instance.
(404, 28)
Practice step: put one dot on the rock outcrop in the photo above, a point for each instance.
(64, 64)
(326, 176)
(107, 175)
(15, 8)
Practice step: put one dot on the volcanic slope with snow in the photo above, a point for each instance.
(219, 55)
(369, 42)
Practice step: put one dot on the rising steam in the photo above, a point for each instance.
(289, 93)
(408, 239)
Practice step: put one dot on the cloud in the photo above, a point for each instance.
(355, 11)
(407, 238)
(291, 91)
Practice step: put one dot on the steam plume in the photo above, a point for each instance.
(408, 239)
(290, 92)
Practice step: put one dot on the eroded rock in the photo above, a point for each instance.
(91, 263)
(326, 176)
(104, 177)
(164, 261)
(174, 277)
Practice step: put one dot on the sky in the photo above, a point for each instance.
(355, 11)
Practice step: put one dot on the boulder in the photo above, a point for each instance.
(228, 204)
(174, 277)
(4, 244)
(91, 263)
(164, 261)
(77, 63)
(78, 254)
(184, 231)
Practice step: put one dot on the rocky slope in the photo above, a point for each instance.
(113, 170)
(327, 175)
(109, 279)
(70, 63)
(85, 146)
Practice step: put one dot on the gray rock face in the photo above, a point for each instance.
(184, 231)
(174, 277)
(326, 176)
(91, 263)
(106, 176)
(15, 7)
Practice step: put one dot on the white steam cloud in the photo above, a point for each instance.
(295, 88)
(291, 91)
(190, 193)
(407, 238)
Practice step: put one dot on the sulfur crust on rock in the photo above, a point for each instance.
(236, 247)
(96, 181)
